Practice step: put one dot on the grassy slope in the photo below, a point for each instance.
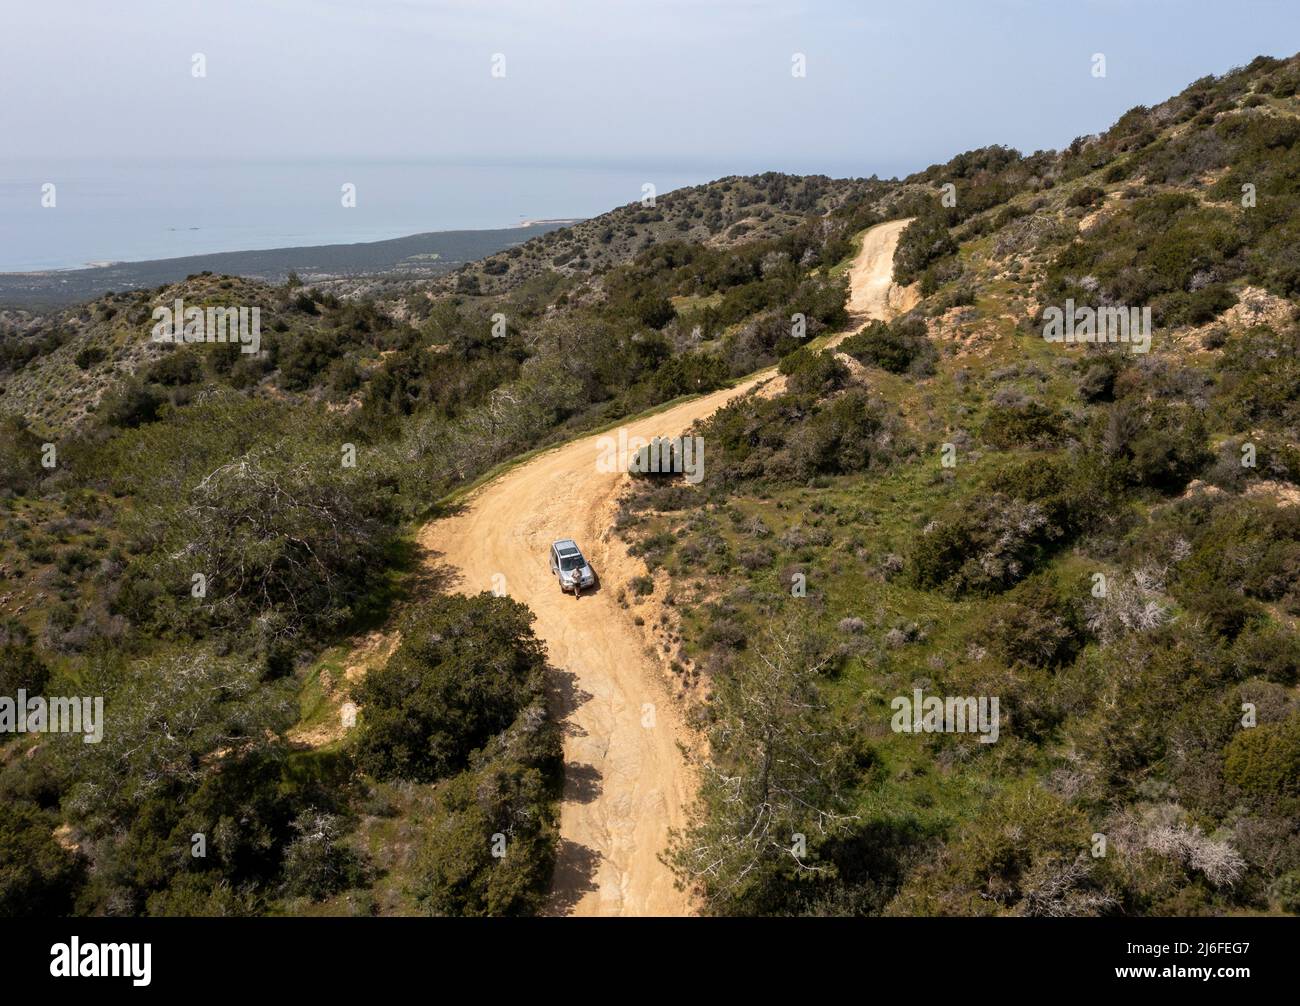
(987, 346)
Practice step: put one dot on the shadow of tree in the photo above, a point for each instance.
(574, 876)
(582, 783)
(567, 696)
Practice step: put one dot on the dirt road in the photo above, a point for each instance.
(626, 782)
(872, 293)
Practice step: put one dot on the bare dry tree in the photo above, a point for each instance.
(281, 540)
(776, 779)
(1059, 886)
(1133, 604)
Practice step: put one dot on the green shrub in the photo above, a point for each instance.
(20, 456)
(899, 347)
(1269, 651)
(465, 669)
(813, 373)
(654, 312)
(841, 437)
(133, 404)
(691, 373)
(1196, 308)
(1153, 444)
(1264, 761)
(1286, 891)
(179, 367)
(316, 862)
(980, 546)
(21, 668)
(1066, 488)
(1154, 249)
(1023, 854)
(1086, 196)
(488, 847)
(1034, 626)
(90, 356)
(925, 240)
(1028, 425)
(1259, 377)
(38, 877)
(1241, 552)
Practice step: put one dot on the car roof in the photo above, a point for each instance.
(566, 543)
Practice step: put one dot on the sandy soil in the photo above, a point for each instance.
(872, 292)
(627, 781)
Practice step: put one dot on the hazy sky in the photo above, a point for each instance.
(705, 84)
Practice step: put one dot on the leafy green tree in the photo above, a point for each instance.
(38, 877)
(465, 669)
(900, 347)
(164, 720)
(284, 539)
(1265, 762)
(488, 847)
(317, 863)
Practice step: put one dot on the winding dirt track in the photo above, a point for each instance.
(626, 780)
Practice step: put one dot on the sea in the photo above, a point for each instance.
(74, 213)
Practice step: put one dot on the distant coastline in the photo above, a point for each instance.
(424, 255)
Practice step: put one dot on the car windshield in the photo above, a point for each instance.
(570, 562)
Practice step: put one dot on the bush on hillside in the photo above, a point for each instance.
(488, 847)
(20, 456)
(924, 241)
(1029, 425)
(466, 668)
(900, 347)
(1264, 761)
(982, 545)
(813, 373)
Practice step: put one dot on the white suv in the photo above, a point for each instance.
(570, 568)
